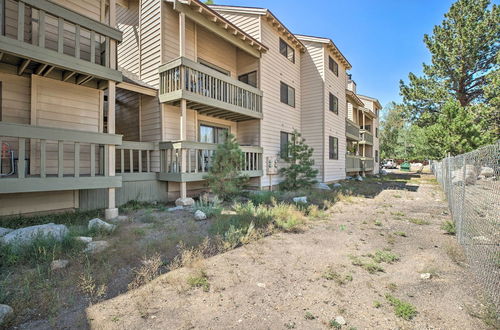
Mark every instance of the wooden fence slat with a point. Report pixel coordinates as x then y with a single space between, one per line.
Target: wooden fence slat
41 29
60 35
92 159
77 159
43 156
20 20
21 163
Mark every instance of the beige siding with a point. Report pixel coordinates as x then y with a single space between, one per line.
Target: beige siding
127 114
214 49
335 124
15 107
151 126
170 33
313 108
247 22
127 20
150 41
277 116
249 132
89 8
13 204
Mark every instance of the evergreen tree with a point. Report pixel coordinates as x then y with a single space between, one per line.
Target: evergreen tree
464 52
300 173
224 177
209 2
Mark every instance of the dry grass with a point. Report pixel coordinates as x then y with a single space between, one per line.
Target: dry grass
148 271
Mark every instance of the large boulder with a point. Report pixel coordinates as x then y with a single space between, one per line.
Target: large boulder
5 231
457 176
188 201
6 313
302 199
98 224
28 234
59 264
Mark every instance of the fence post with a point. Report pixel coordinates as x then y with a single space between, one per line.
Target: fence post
462 201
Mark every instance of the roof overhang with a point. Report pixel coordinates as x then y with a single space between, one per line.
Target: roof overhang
354 98
269 16
377 104
213 21
330 45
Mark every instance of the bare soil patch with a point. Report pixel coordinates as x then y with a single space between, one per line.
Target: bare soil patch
363 263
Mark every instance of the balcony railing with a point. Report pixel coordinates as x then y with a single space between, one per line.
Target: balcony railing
184 161
208 91
352 163
138 161
351 130
46 36
35 158
367 163
366 137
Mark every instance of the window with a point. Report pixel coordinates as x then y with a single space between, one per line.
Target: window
334 67
333 148
376 132
212 134
376 156
284 141
334 104
287 94
287 51
249 78
214 67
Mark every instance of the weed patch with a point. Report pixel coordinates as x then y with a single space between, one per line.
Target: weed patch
419 222
199 280
340 279
449 227
370 266
402 309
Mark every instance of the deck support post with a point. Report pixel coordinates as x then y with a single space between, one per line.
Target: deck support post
183 124
112 211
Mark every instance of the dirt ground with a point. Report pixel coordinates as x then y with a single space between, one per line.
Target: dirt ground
305 280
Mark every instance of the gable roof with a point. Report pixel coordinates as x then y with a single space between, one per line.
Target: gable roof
219 20
372 99
270 17
331 47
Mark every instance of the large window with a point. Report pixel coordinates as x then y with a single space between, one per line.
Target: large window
287 51
287 94
334 67
376 132
214 67
213 134
334 104
249 78
333 148
285 139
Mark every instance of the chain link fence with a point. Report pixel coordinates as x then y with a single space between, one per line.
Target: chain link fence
471 183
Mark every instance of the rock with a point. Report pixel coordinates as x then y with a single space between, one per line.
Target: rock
425 276
5 231
261 285
359 178
340 320
302 199
84 239
348 177
28 234
96 247
383 172
470 175
480 239
188 201
177 208
481 177
200 215
6 312
59 264
321 186
487 172
98 224
337 185
209 197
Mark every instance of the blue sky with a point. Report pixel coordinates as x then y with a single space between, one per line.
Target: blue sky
382 39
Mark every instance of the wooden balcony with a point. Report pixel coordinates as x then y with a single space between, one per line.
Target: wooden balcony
35 158
366 137
39 36
352 163
186 161
351 130
138 161
208 91
367 164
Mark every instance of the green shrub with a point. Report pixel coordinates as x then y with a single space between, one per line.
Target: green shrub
402 309
449 227
263 197
224 177
384 256
299 174
210 209
199 281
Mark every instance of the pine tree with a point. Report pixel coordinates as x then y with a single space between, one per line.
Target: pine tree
224 177
300 173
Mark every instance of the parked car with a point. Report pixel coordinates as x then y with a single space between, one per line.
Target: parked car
389 163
